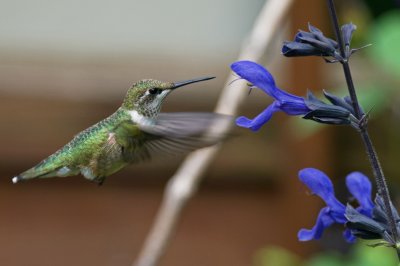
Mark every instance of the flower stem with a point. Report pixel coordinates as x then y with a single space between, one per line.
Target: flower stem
372 155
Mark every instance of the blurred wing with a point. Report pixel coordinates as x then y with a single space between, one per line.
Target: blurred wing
173 133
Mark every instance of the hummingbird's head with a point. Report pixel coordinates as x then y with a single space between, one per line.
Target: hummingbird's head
147 95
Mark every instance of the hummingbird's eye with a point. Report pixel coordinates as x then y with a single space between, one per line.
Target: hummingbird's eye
154 91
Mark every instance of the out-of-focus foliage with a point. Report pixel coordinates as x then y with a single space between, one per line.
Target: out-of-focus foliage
372 98
360 255
379 7
378 91
386 42
276 256
384 60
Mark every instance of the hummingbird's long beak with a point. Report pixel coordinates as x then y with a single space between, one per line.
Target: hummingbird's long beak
190 81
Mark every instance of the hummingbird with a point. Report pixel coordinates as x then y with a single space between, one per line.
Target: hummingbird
135 132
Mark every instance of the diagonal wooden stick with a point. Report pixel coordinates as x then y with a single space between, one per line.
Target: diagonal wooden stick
183 185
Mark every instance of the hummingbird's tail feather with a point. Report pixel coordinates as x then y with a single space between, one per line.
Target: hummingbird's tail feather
16 179
30 174
24 176
45 169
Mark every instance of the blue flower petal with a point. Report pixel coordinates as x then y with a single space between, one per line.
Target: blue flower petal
256 75
259 77
293 105
320 184
298 49
320 35
324 220
256 123
360 187
347 32
350 238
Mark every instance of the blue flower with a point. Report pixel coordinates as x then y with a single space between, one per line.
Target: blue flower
347 33
360 187
259 77
338 112
311 43
375 226
320 184
314 43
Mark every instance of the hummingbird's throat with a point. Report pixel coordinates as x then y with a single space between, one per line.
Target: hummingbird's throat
140 119
149 111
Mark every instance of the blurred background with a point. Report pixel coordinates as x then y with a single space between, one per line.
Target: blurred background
64 65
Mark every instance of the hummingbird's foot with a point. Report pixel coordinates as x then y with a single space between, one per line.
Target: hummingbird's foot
99 181
16 179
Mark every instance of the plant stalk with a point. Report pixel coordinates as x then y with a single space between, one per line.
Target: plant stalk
371 152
